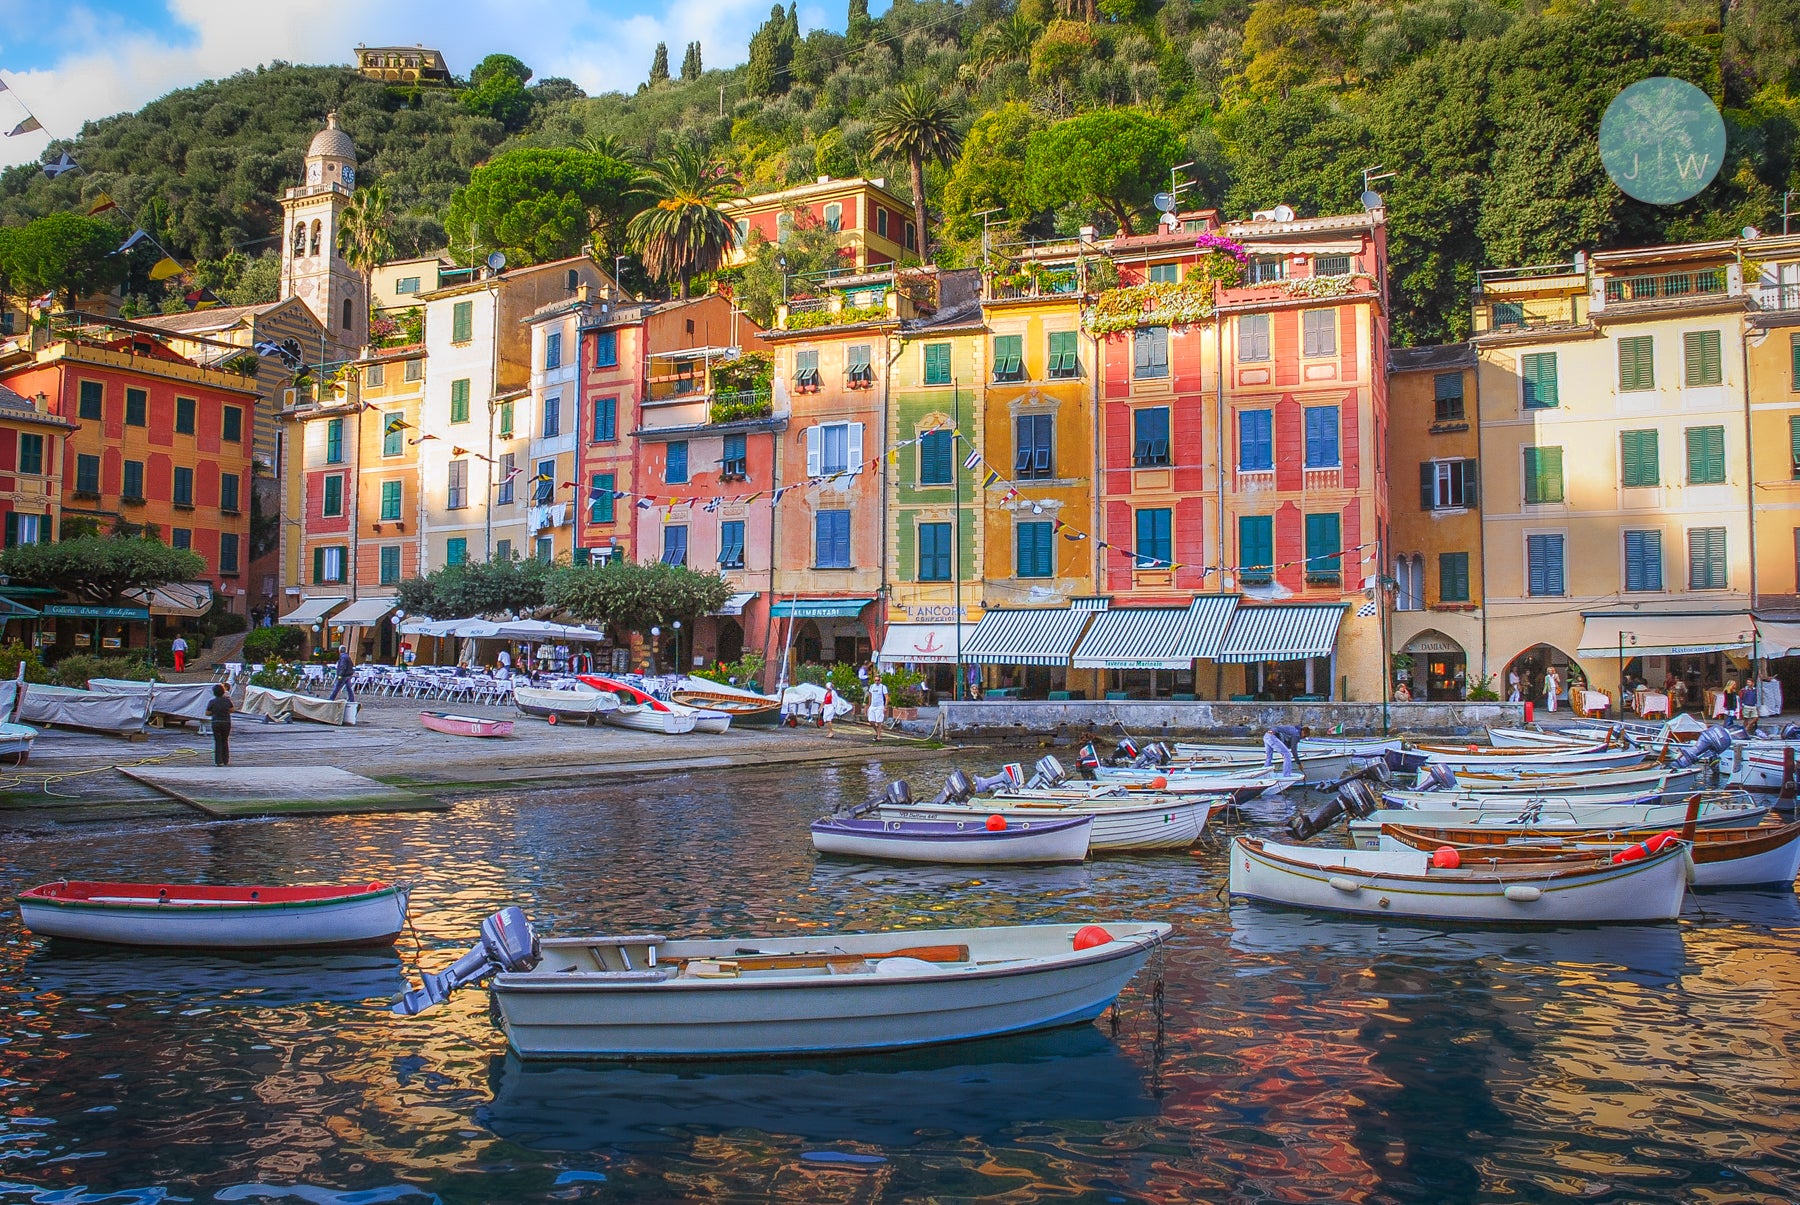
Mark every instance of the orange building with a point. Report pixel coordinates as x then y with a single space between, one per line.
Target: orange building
160 443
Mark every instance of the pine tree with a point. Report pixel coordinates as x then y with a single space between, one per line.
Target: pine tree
659 66
771 53
860 25
690 62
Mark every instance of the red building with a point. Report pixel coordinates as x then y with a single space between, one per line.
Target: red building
159 442
31 460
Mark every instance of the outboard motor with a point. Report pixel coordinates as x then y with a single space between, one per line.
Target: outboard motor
957 789
1125 752
1047 773
1360 799
1310 824
1002 781
1437 777
1088 761
1710 745
1791 732
899 793
508 943
1153 756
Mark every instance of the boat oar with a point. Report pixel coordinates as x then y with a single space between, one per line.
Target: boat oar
820 958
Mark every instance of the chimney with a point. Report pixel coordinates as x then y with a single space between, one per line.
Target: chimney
824 179
584 293
1089 234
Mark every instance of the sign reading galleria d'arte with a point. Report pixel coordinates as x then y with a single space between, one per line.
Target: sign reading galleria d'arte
74 611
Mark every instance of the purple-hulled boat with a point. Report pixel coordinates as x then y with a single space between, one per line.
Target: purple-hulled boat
976 841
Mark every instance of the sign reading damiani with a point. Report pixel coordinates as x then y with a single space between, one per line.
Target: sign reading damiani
72 611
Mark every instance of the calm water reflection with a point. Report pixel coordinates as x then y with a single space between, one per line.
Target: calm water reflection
1292 1058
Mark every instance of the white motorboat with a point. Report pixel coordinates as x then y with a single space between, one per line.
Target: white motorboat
1534 738
1408 884
581 704
640 710
973 841
1765 767
1120 822
1723 857
1483 757
1659 778
644 996
1241 783
1721 810
16 741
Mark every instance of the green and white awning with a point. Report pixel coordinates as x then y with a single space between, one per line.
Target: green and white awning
1026 637
1282 632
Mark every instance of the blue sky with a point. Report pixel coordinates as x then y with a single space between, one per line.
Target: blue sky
90 58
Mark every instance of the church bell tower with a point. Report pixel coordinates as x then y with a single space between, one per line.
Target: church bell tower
311 267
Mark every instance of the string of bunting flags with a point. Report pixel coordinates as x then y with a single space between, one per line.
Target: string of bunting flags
974 461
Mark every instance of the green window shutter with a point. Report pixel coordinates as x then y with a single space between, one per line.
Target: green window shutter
462 322
1539 373
459 401
1706 455
390 501
1706 558
1701 359
1638 459
937 363
1794 351
1453 577
1794 445
1324 546
1637 364
1543 475
1256 548
935 453
600 498
318 565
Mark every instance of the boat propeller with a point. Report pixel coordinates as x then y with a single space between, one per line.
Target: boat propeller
508 943
1437 777
1714 743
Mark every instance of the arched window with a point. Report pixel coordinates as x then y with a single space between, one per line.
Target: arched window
299 239
349 314
315 237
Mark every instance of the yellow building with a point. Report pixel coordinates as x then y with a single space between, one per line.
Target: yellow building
1772 348
1615 473
1435 530
874 226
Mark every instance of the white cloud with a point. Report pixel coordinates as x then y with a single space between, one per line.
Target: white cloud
600 45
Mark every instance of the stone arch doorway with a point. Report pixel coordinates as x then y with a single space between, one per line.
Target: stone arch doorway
1531 666
1440 667
731 640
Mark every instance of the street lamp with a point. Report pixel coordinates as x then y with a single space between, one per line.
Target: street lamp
655 635
678 661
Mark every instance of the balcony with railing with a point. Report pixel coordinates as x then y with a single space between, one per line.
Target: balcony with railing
1668 286
744 405
1032 285
1781 298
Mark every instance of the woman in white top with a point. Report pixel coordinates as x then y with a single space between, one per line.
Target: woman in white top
1552 685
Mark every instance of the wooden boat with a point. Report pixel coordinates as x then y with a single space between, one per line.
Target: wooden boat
1241 783
1765 767
642 711
583 706
1321 759
1721 809
464 725
1586 782
1723 857
1533 738
16 741
743 706
644 996
1483 757
1406 884
1120 822
972 841
193 917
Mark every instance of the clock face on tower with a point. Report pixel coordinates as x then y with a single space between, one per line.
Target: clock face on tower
349 177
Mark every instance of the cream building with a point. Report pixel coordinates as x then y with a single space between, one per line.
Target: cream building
477 422
1616 477
547 482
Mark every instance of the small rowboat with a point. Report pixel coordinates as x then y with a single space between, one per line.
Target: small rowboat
464 725
646 997
1406 884
1559 759
743 706
15 742
1723 857
582 706
1119 823
194 917
974 841
644 712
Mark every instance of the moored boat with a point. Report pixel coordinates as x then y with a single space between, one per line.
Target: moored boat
1717 809
464 725
1723 857
644 712
975 841
196 917
743 706
1484 757
1120 823
582 706
1408 884
16 741
644 996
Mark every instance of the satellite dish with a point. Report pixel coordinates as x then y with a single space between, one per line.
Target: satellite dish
1752 232
1169 221
497 260
1284 213
1371 199
1165 201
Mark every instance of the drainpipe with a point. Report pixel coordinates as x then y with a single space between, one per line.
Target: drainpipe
1481 523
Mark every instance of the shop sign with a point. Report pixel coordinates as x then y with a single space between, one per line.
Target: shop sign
73 611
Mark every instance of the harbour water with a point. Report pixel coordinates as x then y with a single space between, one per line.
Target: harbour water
1264 1056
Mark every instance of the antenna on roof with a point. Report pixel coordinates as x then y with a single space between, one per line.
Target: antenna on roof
1167 201
1371 200
986 241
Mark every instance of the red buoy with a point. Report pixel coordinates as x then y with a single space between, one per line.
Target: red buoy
1631 853
1159 783
1660 842
1089 936
996 824
1446 858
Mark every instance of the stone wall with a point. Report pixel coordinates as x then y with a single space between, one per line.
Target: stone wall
1152 717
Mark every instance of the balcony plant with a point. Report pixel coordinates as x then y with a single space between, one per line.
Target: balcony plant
1163 303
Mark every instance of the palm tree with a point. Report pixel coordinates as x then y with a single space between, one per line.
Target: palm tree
917 121
608 144
685 232
364 239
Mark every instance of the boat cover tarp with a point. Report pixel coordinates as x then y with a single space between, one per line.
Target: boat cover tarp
83 709
181 700
9 696
1663 635
807 699
283 706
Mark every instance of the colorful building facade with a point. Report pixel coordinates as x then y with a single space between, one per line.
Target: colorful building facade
874 226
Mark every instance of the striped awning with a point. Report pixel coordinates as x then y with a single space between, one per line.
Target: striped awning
1282 632
1134 638
312 610
1208 619
1663 635
1025 637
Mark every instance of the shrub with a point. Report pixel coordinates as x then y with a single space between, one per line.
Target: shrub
273 643
76 670
35 671
1481 690
906 687
275 677
842 679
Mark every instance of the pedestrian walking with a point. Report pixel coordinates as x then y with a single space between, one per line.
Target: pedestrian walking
1552 685
1512 686
1283 740
178 646
218 710
346 669
878 697
826 709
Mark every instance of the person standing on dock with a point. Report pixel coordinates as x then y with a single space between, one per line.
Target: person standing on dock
878 696
1552 685
346 669
218 710
1283 740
